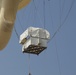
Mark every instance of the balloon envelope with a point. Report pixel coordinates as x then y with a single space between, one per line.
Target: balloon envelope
8 10
23 3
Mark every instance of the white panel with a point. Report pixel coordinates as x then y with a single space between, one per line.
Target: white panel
35 32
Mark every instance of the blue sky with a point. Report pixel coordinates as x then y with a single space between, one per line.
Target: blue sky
60 56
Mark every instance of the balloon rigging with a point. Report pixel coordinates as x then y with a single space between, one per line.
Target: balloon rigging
34 40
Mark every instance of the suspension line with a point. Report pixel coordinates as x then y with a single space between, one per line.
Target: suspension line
16 32
64 20
44 13
29 64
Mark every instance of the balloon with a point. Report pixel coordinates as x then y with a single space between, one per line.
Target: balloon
23 3
8 10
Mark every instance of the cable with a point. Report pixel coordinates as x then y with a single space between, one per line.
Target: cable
35 4
56 46
57 31
31 9
60 10
57 57
16 33
68 12
36 8
20 23
29 64
34 20
44 13
56 50
36 11
63 7
44 16
63 21
29 13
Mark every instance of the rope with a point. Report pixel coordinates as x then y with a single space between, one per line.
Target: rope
58 30
60 10
29 64
44 16
29 14
63 7
34 20
68 11
16 33
63 21
20 23
57 57
56 45
37 12
44 13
